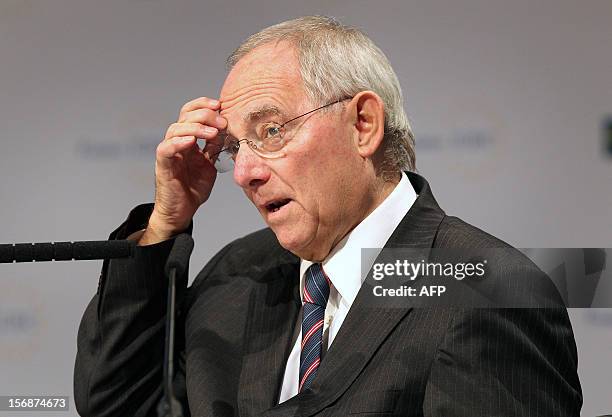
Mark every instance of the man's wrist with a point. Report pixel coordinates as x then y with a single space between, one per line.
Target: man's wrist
154 233
136 236
151 237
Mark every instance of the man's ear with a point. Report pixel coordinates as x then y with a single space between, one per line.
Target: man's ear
369 122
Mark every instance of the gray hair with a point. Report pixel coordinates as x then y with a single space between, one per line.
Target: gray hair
339 61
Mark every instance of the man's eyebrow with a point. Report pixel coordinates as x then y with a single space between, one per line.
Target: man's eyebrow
261 113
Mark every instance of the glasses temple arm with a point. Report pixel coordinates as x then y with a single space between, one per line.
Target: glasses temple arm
318 108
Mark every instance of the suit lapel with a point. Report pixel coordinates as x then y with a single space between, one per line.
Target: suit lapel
273 310
366 326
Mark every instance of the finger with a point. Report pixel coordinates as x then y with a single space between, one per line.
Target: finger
204 116
198 130
198 103
168 149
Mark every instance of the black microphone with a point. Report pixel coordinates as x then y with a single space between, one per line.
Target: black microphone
179 254
66 251
176 265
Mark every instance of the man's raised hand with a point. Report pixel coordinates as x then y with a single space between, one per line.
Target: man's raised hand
184 175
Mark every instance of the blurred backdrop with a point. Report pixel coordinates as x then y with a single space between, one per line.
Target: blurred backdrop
511 104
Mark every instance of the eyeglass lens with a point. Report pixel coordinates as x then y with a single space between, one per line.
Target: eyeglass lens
224 161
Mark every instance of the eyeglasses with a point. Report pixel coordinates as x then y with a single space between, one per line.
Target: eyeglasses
268 140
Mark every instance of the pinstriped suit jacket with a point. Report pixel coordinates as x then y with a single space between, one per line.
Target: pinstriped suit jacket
237 324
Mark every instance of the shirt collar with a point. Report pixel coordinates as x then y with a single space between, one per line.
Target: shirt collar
344 264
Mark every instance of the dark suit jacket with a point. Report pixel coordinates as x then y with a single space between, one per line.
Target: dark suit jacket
238 318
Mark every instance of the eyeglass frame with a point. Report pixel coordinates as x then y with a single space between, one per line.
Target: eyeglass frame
281 125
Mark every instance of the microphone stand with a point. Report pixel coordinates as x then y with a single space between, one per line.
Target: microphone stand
176 265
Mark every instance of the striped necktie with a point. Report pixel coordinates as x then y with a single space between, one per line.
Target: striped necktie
316 293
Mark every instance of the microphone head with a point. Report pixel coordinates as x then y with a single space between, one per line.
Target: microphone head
66 251
179 255
103 249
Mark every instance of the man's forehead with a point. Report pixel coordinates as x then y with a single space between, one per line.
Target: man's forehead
266 82
272 63
258 102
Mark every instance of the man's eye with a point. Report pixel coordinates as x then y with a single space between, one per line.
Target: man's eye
271 131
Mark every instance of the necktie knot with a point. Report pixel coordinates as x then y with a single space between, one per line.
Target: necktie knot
316 286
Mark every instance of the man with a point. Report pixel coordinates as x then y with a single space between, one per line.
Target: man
278 322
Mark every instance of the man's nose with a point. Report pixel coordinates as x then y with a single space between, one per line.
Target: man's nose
250 170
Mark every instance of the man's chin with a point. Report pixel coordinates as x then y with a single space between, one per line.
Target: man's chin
285 237
289 239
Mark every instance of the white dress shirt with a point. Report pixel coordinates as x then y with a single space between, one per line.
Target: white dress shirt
343 267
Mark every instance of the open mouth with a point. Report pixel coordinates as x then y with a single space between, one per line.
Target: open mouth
276 205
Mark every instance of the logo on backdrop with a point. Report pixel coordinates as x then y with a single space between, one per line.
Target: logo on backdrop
22 321
134 136
136 147
470 139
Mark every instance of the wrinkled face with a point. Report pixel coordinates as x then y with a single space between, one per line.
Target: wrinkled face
309 196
